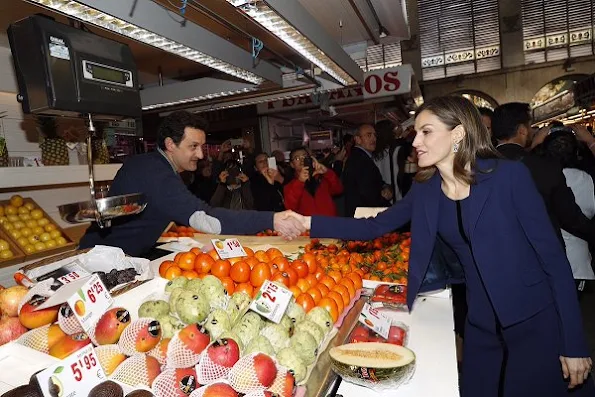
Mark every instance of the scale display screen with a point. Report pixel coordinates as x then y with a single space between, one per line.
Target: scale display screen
108 74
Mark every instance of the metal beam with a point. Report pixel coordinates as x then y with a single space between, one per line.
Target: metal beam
153 17
294 13
171 93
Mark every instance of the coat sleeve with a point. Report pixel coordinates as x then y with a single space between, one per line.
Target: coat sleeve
365 229
334 183
531 212
292 193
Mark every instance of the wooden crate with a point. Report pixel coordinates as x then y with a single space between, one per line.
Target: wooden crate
69 246
19 255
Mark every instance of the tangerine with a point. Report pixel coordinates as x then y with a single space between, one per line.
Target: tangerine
315 294
259 274
221 268
229 285
190 274
344 292
330 306
186 261
334 295
164 266
173 272
245 287
240 272
306 301
203 263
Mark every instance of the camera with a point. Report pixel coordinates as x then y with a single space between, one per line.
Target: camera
308 162
234 169
561 128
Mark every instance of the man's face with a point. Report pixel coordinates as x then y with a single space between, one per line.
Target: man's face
366 138
262 163
188 152
525 133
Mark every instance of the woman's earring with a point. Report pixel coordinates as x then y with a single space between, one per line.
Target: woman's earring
455 147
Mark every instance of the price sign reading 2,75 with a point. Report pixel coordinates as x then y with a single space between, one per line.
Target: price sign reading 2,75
87 362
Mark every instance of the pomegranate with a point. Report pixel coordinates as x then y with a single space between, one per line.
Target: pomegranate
10 329
10 299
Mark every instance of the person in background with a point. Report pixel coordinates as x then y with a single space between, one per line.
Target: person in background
562 146
181 137
385 155
313 188
204 184
233 191
364 186
267 186
523 334
282 165
486 119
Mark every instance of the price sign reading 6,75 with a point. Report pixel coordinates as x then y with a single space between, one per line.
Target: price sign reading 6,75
76 375
271 301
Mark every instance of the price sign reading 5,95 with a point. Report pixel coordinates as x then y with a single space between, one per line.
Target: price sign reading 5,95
76 375
228 248
90 302
271 301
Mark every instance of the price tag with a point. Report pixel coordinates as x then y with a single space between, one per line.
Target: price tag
70 277
375 320
90 302
229 248
76 375
271 301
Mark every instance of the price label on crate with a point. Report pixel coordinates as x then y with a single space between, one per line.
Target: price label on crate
271 301
228 248
76 375
375 320
90 302
70 277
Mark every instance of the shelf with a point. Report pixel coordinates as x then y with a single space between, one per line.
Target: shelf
19 177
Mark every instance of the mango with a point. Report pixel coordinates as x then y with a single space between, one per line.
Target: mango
110 326
35 319
68 345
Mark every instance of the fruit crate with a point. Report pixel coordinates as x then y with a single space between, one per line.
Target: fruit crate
70 245
18 254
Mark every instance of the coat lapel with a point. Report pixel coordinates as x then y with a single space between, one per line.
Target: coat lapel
480 191
432 202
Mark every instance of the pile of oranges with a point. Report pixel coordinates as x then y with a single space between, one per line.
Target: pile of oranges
312 285
180 231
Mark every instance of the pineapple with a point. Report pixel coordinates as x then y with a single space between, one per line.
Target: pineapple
3 153
53 147
99 146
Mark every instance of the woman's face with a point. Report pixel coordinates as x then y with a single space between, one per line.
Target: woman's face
433 141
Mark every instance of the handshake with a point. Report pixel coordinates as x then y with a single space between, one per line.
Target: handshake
290 224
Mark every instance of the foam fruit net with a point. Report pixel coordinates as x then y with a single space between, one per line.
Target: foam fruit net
278 386
179 355
209 372
36 339
134 371
201 390
128 338
242 376
160 351
105 355
67 321
172 384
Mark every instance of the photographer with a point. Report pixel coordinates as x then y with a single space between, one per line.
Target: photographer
233 191
311 191
267 186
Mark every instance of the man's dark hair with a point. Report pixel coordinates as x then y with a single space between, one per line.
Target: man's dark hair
486 112
508 118
563 146
556 123
297 149
174 124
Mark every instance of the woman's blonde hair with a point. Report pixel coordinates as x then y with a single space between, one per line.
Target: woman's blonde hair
456 111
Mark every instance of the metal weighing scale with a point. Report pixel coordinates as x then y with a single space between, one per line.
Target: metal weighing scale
64 71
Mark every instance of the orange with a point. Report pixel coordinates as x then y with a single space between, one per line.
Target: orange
228 284
249 251
335 275
280 263
349 284
190 274
300 267
164 266
312 280
315 294
274 253
357 280
330 306
203 263
344 292
173 272
328 281
186 261
303 284
310 260
323 289
259 274
251 261
295 291
240 272
281 277
245 287
213 254
236 259
221 268
305 300
334 295
196 251
178 256
293 276
261 256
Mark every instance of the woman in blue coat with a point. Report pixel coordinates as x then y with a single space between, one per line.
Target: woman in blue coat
523 334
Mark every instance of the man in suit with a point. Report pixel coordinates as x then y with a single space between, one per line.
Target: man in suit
362 180
511 126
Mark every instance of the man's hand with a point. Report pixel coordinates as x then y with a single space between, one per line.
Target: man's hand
387 193
223 176
540 136
576 369
287 223
276 175
243 177
319 169
583 134
304 174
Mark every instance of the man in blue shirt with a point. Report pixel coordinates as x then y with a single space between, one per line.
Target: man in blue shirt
157 175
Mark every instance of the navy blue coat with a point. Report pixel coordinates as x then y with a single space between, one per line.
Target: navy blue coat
520 259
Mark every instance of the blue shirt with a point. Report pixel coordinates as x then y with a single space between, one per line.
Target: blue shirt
168 199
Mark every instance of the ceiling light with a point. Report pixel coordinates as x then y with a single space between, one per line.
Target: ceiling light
98 18
260 12
198 98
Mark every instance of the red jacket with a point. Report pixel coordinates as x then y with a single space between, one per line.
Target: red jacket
298 199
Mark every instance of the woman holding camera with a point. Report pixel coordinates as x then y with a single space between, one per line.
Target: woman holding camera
311 191
233 191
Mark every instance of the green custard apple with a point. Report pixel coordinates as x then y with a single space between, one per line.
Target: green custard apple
217 323
295 312
192 308
194 285
173 298
311 328
260 344
212 288
305 346
153 309
292 361
322 318
178 282
277 335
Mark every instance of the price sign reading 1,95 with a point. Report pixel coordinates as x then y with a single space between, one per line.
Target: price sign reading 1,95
90 302
271 301
228 248
76 375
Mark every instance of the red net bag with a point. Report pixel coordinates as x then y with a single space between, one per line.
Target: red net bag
215 389
245 378
179 382
186 346
68 321
140 336
137 370
160 351
217 360
110 357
